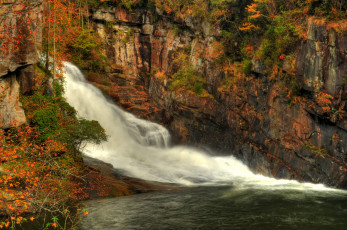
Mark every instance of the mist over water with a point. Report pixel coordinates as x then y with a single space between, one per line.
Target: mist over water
142 149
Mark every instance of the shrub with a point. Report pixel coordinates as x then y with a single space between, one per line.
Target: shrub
58 88
177 30
47 121
56 119
85 131
247 67
279 38
199 87
86 51
188 78
231 41
95 4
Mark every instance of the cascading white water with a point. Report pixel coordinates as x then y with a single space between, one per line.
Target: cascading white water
140 148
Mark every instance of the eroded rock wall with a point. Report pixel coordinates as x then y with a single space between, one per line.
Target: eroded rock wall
21 37
252 118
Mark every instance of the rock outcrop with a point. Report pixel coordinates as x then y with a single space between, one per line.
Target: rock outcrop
321 60
252 117
113 183
21 36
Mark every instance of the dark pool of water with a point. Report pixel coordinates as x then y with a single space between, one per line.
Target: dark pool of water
221 207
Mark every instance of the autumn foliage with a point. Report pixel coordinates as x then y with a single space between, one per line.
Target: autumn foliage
34 176
68 37
40 166
41 170
18 23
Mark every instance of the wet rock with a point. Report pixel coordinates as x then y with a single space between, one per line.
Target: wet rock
115 183
322 62
258 66
254 118
16 72
29 34
11 111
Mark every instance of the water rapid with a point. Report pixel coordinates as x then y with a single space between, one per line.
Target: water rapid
141 148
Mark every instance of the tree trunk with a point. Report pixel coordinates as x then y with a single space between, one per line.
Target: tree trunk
48 27
54 37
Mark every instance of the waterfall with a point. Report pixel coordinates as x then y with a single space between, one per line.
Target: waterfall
141 148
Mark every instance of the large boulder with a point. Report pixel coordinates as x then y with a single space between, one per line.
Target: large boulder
21 37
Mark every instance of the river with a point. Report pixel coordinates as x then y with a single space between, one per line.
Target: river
218 192
221 207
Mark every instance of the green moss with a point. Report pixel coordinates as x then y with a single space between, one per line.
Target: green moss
96 4
317 150
127 36
177 30
198 87
188 78
247 67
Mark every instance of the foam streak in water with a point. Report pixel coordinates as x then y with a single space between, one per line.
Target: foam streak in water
140 148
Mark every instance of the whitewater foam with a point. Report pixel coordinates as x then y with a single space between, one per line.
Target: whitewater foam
141 148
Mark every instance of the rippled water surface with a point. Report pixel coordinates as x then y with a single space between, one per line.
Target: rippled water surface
221 207
142 150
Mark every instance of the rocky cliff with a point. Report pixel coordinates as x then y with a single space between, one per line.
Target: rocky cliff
254 117
21 36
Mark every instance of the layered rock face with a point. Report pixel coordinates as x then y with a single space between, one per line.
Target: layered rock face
252 118
21 35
